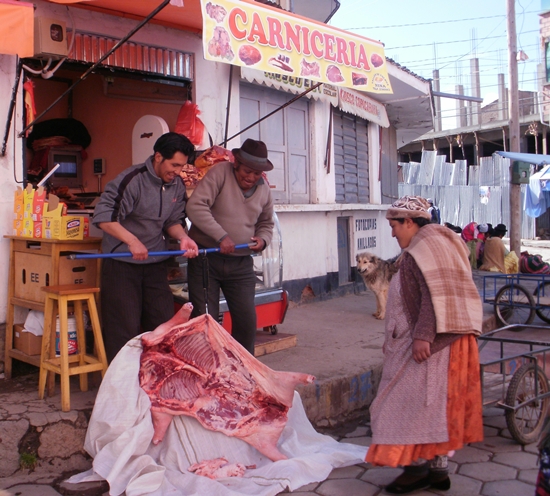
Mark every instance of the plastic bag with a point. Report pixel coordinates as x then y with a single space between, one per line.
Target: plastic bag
189 124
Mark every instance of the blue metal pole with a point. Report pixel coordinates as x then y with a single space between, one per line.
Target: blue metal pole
79 256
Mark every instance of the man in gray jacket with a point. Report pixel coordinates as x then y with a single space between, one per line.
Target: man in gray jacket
139 209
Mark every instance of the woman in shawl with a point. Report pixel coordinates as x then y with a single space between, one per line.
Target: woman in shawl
429 399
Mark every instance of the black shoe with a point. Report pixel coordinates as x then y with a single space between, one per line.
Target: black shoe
442 485
397 487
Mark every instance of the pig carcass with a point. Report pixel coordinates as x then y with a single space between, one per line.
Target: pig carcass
197 369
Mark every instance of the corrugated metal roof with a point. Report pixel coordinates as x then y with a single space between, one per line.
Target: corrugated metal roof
133 56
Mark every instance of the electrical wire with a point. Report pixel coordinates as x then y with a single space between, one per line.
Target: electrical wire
434 22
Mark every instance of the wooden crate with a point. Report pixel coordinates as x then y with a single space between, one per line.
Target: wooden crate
34 270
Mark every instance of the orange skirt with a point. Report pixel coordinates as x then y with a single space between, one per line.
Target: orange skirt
464 411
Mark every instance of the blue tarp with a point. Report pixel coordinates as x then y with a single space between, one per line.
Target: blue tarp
530 158
537 195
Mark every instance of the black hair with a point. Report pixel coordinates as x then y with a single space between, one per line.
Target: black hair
170 143
420 221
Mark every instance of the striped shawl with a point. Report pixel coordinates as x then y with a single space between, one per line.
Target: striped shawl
442 257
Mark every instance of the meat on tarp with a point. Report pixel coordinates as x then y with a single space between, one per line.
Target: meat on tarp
196 368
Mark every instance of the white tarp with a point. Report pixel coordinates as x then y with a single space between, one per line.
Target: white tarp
120 433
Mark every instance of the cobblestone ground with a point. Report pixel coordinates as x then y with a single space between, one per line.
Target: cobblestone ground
498 466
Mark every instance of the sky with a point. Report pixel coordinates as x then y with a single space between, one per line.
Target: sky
445 35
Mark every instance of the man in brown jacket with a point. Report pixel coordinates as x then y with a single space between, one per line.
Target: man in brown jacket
231 205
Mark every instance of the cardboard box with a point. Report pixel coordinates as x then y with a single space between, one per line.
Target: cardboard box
28 199
18 206
38 202
33 270
25 341
57 225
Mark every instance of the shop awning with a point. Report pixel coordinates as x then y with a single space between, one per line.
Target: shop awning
174 15
249 34
291 84
17 28
361 105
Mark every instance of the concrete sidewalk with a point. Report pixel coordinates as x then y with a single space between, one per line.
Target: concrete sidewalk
339 341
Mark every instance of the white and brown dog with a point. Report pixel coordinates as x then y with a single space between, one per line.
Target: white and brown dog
377 274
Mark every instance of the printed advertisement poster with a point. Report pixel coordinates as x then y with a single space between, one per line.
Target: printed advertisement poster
252 35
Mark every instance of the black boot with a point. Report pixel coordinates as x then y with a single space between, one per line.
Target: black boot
413 478
439 473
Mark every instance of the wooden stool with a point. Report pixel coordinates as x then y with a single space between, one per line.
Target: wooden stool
57 303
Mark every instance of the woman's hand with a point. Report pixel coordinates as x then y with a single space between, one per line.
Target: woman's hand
421 350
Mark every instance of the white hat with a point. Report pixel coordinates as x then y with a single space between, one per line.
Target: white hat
482 228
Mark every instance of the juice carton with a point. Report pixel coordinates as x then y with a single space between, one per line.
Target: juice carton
28 227
38 204
18 206
37 229
18 227
28 198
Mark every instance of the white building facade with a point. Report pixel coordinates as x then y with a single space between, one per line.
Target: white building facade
335 155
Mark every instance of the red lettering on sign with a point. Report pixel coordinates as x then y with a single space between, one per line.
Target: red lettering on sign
329 47
236 13
292 36
257 31
275 35
341 47
362 59
317 36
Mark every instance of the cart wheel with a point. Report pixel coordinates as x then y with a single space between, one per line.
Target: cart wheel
514 305
525 423
543 311
274 330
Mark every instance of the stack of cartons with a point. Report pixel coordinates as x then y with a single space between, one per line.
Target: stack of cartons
18 212
28 199
38 202
36 217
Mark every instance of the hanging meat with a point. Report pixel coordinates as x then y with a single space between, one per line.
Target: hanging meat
197 369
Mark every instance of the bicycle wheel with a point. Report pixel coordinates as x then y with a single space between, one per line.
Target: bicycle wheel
514 305
543 291
525 423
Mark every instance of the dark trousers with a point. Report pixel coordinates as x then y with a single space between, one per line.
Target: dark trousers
134 298
235 277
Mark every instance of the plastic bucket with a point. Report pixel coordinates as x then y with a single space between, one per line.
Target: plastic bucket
71 328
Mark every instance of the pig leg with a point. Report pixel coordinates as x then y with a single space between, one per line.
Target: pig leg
181 317
161 422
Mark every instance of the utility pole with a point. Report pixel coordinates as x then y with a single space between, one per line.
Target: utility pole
513 124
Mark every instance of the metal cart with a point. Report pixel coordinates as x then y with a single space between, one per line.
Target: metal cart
517 298
271 299
513 377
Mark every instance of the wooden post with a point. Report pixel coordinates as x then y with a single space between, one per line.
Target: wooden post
513 119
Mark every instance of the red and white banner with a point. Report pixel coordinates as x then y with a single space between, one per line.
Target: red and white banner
248 34
358 104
